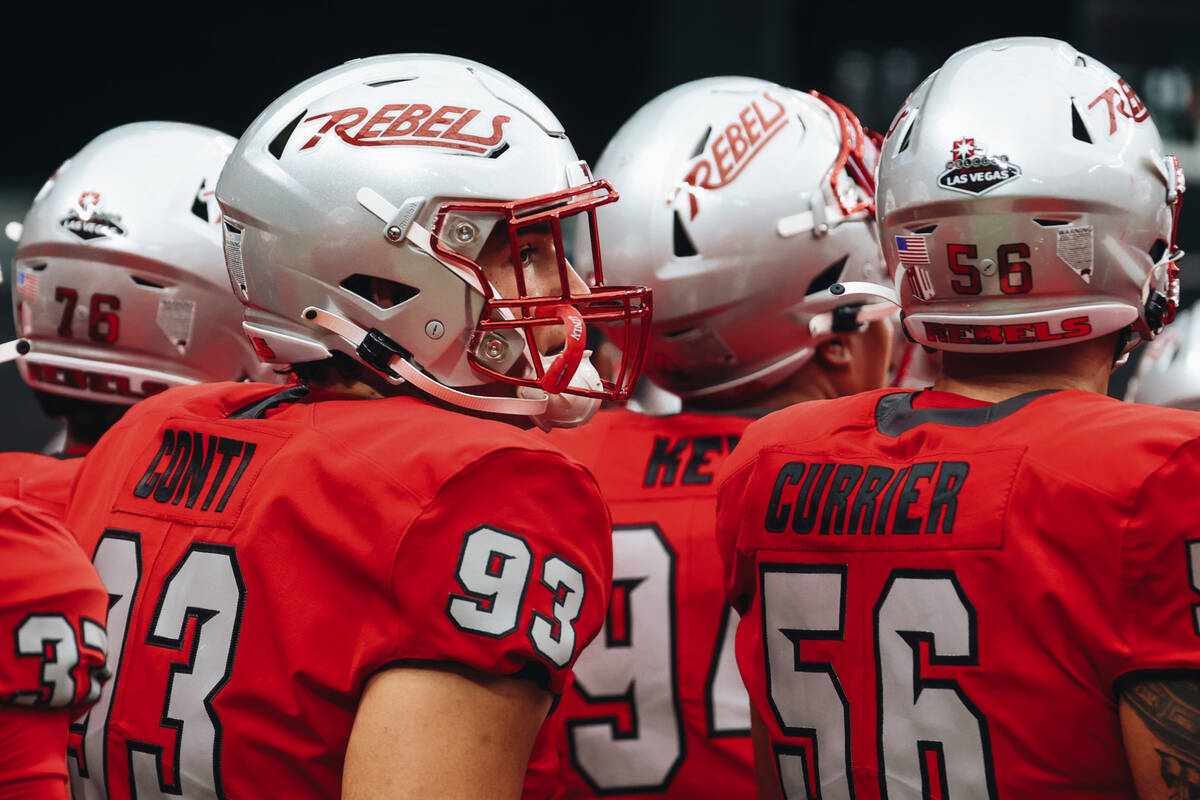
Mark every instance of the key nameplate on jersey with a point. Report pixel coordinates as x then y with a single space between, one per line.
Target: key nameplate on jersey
194 474
687 460
943 501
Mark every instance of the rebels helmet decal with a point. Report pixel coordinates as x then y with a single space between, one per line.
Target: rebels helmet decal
1123 100
397 124
733 148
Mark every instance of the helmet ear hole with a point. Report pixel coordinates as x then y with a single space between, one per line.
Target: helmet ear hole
380 292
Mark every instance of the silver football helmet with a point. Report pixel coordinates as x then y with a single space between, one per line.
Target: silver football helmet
1025 201
1168 372
747 207
408 211
119 286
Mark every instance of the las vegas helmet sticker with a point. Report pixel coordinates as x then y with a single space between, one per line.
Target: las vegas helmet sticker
88 220
972 171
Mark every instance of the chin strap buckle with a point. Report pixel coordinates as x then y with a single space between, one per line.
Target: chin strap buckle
377 351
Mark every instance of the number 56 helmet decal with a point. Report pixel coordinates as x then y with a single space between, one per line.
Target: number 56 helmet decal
119 289
1025 202
408 211
743 203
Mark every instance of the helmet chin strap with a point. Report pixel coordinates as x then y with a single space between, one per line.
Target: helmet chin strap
404 371
862 293
11 351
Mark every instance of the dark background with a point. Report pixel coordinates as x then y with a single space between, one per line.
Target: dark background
73 71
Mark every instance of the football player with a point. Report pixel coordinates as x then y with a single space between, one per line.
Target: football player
768 207
987 589
120 290
373 582
53 657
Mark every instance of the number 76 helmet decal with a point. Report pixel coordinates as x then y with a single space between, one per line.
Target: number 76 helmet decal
1025 202
409 211
119 288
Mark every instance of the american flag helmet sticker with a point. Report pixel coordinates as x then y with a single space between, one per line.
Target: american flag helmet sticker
27 285
912 249
919 282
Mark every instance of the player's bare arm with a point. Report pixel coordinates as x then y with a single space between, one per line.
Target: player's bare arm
1160 722
442 732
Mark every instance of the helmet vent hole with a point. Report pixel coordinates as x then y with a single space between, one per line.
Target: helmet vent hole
377 84
501 151
1080 61
1051 223
1078 128
925 230
699 148
1157 250
280 141
37 267
828 276
684 247
678 334
381 292
907 138
148 284
199 204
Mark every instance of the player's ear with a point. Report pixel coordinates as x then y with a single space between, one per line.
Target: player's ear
835 353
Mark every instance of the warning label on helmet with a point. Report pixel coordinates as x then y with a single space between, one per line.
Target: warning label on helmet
1075 250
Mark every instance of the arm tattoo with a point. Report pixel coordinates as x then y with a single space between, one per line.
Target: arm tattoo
1171 710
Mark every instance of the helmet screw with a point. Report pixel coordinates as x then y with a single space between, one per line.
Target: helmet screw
987 266
494 347
394 233
464 232
434 329
837 289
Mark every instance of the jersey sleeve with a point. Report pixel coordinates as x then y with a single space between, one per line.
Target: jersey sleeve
33 746
1161 570
733 480
508 570
53 609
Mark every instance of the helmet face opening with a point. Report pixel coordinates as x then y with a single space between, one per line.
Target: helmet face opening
533 297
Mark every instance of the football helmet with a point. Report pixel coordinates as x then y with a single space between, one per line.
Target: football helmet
1025 202
1168 372
119 285
747 207
408 211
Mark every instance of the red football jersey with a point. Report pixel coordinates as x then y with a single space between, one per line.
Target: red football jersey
657 708
939 599
52 648
267 555
41 481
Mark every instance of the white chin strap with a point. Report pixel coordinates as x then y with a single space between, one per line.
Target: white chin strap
528 406
11 351
862 293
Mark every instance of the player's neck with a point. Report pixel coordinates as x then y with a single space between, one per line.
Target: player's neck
995 377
